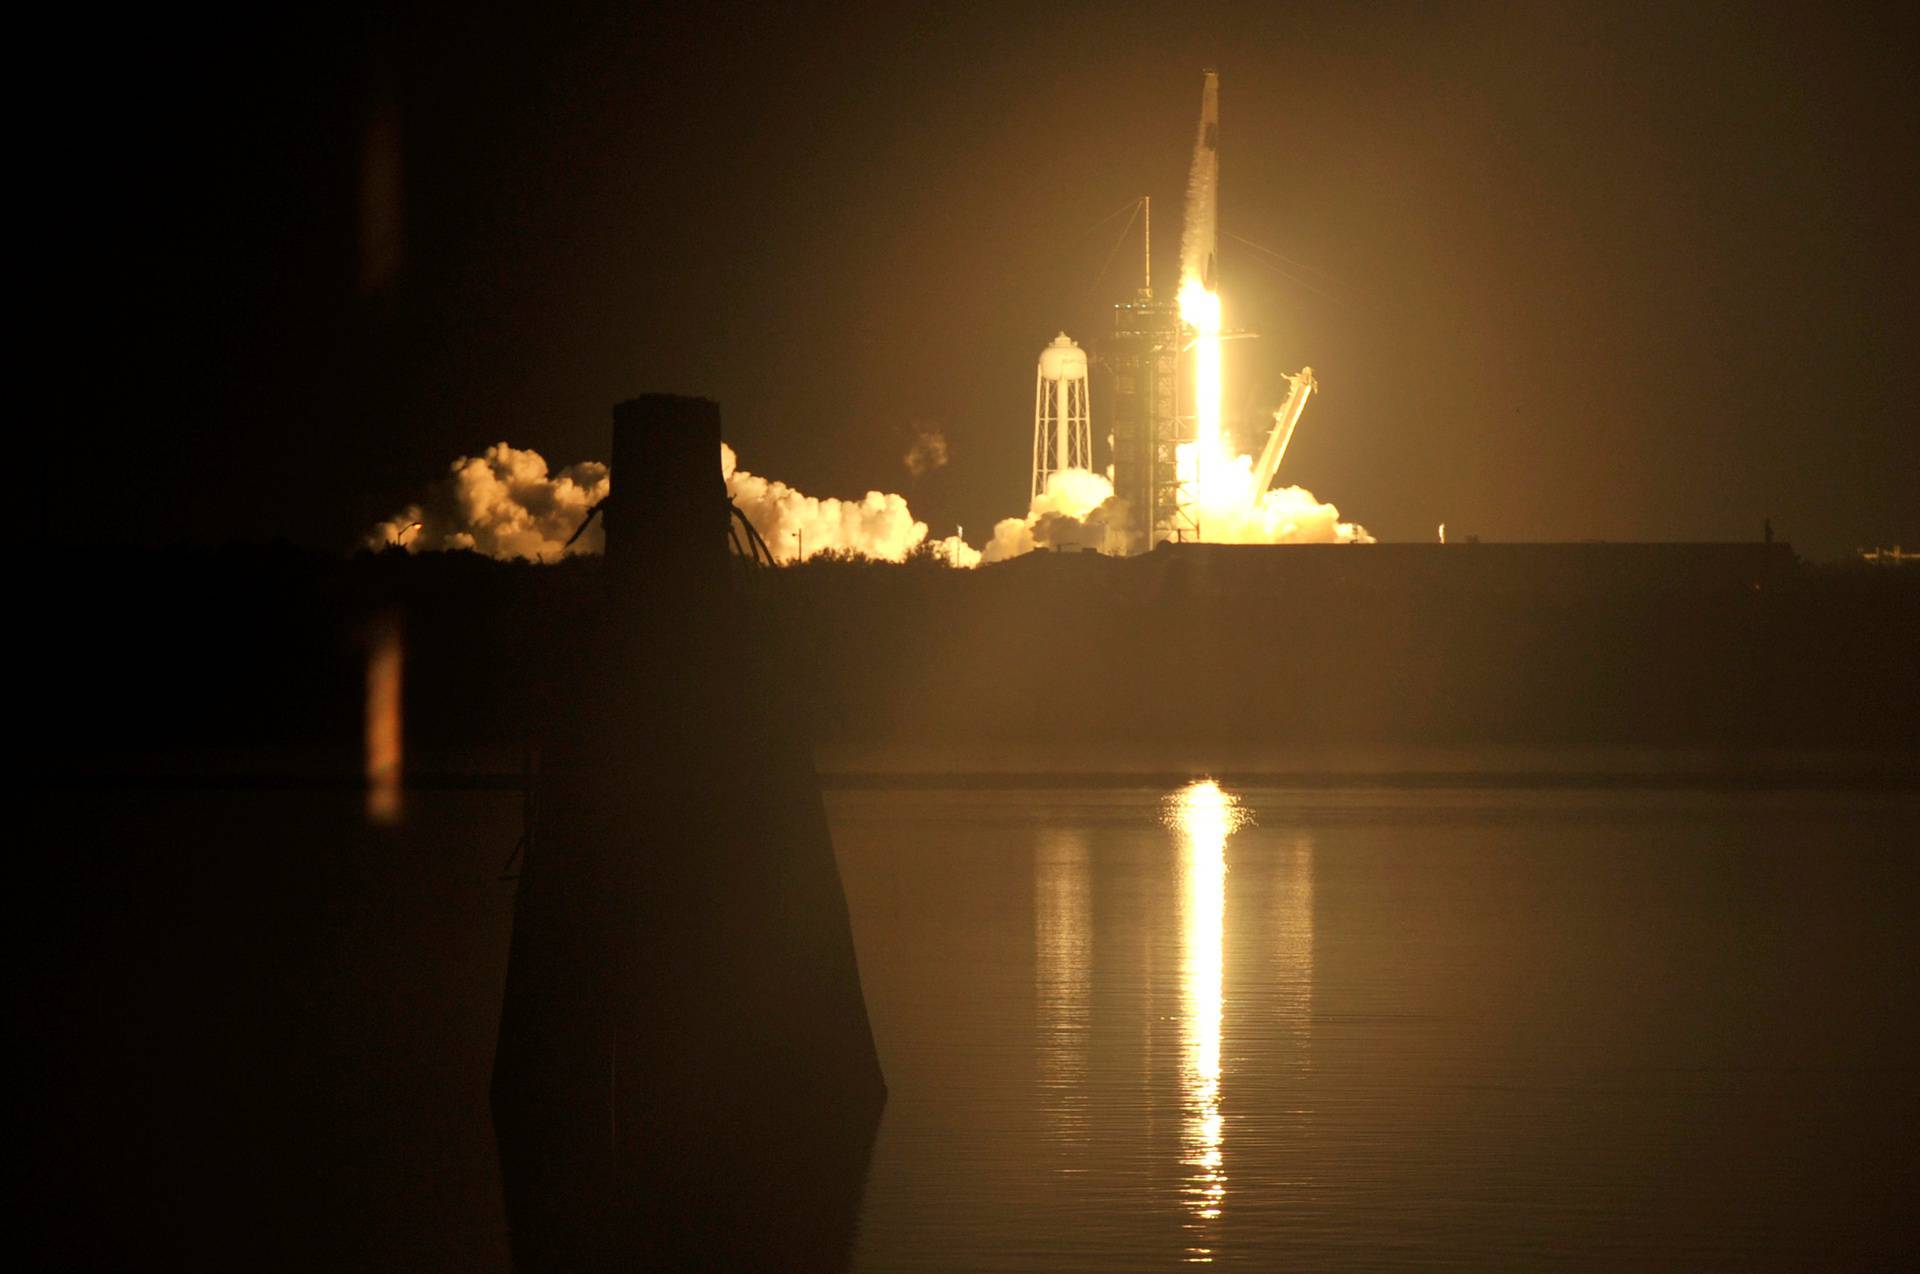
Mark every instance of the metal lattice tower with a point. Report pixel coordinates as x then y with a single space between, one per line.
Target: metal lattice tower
1142 363
1062 420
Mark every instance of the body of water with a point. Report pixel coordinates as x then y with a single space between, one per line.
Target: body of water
1338 1028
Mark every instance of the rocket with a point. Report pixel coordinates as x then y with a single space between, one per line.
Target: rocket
1199 237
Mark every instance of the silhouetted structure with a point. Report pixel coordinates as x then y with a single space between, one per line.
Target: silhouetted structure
686 1075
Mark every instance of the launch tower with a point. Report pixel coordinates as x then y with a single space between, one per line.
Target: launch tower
1141 366
1164 359
1142 361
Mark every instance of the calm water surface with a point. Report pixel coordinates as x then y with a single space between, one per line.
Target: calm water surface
1321 1029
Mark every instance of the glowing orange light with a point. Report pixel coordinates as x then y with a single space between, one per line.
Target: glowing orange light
383 723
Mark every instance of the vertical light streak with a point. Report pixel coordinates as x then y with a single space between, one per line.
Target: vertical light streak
1200 310
1204 816
1063 967
1293 951
385 658
1203 465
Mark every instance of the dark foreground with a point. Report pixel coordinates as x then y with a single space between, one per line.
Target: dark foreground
1534 1027
1479 991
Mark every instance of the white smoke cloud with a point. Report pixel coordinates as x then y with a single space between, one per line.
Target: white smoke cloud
1230 511
792 523
1078 509
503 503
957 553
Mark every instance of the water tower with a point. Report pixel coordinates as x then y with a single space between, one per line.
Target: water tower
1062 422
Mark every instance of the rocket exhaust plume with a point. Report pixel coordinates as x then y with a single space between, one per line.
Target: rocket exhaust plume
1224 495
1199 297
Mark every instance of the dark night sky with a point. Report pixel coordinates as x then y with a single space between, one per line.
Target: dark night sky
1583 271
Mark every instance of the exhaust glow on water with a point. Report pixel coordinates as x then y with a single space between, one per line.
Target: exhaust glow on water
1204 816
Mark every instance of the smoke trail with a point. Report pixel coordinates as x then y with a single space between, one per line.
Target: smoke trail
502 503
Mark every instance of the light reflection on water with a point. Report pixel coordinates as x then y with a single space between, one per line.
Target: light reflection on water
384 722
1126 1029
1063 973
1291 980
1204 816
1199 819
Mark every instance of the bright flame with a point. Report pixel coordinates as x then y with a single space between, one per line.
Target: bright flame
1221 499
1293 952
1201 464
1200 310
1204 815
1220 495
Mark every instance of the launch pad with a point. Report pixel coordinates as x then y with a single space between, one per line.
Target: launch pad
1172 463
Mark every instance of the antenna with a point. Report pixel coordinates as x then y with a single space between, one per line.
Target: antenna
1146 249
